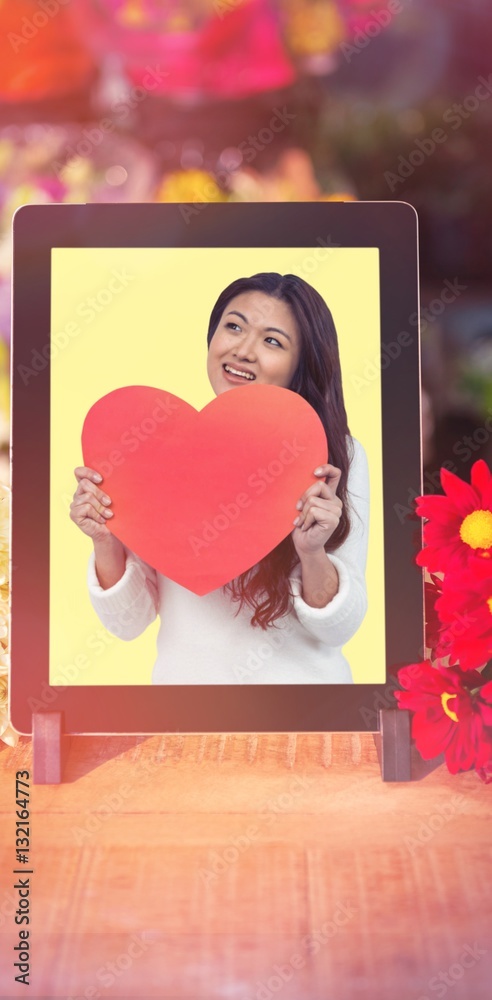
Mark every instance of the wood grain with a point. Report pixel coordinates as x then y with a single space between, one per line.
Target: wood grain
205 866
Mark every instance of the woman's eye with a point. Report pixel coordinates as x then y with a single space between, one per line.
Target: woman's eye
231 324
275 340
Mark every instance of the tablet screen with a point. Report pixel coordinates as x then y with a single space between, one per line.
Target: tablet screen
139 316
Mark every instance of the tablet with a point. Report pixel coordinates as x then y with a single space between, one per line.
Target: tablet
112 296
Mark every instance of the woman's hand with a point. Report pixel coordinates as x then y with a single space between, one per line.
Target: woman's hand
89 507
320 511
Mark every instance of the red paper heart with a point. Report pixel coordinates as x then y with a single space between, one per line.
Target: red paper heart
202 496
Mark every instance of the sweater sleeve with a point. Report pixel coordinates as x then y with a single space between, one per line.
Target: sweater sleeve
131 604
338 621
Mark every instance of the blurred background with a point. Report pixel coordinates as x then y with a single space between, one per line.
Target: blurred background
155 100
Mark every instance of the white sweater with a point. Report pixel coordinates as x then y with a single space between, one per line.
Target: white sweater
202 640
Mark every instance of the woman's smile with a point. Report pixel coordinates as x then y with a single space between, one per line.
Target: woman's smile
236 374
256 340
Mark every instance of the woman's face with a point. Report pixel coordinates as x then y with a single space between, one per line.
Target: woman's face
258 336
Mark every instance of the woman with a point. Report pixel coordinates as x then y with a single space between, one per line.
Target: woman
308 596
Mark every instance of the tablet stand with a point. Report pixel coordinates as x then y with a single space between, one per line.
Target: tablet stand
51 744
50 747
393 744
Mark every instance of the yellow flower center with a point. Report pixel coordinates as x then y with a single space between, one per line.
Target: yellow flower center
489 604
445 697
476 529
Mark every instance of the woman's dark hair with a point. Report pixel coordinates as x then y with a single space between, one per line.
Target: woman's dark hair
318 379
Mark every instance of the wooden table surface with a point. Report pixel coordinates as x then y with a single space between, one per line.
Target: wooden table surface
249 867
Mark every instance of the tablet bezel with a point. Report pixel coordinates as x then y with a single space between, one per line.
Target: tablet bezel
389 226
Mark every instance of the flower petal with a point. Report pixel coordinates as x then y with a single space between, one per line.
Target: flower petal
462 494
480 476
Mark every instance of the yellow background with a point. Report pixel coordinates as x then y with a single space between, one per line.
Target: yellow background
153 332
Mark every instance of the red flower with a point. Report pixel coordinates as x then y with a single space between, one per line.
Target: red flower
450 716
459 529
485 772
433 624
465 611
